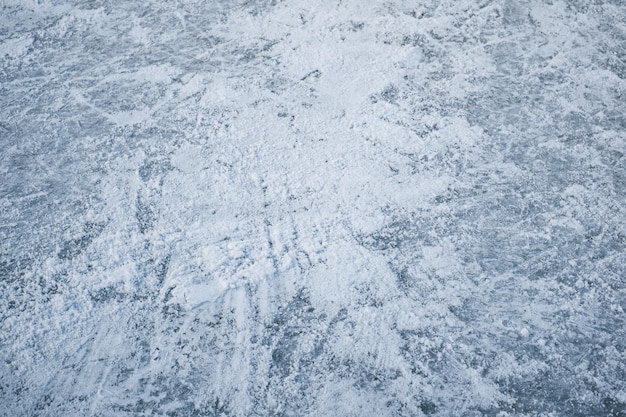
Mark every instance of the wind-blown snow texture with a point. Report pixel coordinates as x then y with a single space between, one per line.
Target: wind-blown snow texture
313 208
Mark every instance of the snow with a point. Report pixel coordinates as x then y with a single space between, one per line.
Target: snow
314 208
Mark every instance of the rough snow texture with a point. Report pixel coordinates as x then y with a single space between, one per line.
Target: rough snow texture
313 208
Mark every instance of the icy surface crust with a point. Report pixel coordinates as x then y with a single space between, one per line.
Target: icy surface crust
313 208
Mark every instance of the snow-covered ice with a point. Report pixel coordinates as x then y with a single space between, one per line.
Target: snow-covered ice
313 208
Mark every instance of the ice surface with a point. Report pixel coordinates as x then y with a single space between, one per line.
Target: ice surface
313 208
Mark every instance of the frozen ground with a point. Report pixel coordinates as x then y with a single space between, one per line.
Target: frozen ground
312 208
